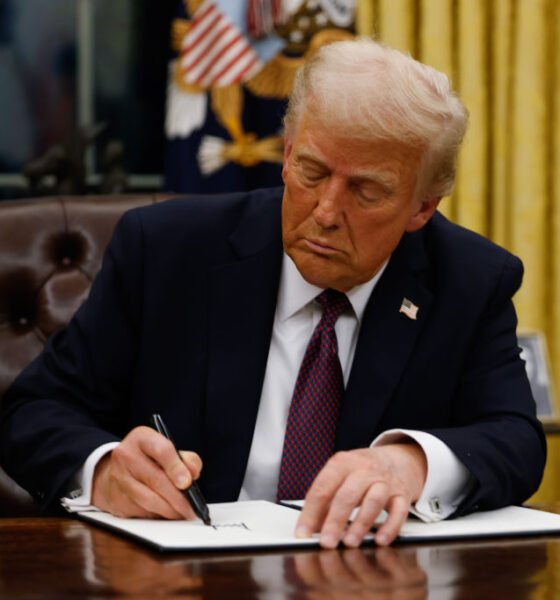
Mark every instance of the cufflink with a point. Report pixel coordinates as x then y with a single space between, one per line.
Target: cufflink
75 493
435 506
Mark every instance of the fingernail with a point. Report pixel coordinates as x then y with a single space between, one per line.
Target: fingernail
181 481
382 539
328 540
351 539
192 462
302 532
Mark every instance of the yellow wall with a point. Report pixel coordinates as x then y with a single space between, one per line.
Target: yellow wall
504 59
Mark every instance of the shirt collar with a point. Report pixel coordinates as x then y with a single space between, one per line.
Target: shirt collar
295 292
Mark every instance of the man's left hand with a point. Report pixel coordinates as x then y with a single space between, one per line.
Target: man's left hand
387 477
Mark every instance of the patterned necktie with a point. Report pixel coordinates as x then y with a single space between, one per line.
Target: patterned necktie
313 418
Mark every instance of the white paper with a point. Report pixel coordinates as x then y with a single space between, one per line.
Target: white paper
512 520
261 524
252 524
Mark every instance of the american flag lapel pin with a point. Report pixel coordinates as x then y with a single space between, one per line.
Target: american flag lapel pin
409 309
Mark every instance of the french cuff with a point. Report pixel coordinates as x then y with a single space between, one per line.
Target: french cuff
448 481
78 497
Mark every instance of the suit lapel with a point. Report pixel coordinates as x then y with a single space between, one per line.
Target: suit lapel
385 342
239 340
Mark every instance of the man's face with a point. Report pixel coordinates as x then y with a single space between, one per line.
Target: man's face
347 203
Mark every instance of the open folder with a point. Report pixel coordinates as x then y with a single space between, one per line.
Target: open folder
261 524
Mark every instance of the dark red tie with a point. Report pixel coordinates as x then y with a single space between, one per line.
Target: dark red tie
313 418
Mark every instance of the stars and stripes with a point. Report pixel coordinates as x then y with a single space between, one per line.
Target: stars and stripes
409 309
264 15
214 52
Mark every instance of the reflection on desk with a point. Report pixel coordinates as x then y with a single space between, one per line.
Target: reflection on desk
56 558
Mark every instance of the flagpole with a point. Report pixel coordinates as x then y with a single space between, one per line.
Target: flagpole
85 75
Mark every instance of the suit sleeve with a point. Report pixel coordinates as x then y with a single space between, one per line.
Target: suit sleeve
496 434
73 397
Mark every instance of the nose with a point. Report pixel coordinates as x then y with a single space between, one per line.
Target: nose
328 209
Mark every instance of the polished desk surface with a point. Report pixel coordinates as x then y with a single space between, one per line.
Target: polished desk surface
63 557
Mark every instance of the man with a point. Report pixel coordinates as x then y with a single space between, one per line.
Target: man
198 314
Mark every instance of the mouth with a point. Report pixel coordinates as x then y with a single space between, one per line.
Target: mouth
321 248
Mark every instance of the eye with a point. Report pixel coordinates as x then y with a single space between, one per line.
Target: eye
369 193
313 175
369 197
311 172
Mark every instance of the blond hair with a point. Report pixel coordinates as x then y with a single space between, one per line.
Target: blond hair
369 91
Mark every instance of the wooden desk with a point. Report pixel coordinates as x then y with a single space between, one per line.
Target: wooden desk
60 558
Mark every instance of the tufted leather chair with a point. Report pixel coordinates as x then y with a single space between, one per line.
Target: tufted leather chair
50 251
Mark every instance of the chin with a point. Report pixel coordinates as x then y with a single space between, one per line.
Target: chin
321 279
318 270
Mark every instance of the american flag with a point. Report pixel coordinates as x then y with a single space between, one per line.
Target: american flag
214 52
409 309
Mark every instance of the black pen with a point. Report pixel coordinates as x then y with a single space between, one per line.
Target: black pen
193 493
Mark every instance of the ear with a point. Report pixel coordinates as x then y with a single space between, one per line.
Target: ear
287 152
423 214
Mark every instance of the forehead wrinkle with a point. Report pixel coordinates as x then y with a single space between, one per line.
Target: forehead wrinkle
305 153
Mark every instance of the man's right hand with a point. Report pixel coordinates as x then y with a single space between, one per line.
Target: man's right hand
143 477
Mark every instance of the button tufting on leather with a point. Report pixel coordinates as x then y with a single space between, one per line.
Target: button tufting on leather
67 248
18 304
49 251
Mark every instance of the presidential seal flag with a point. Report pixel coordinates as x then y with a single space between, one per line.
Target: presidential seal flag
229 80
214 53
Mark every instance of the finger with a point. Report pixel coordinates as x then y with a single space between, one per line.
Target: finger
118 475
127 497
193 462
155 479
320 495
348 496
312 515
150 503
121 505
162 451
397 509
370 509
131 462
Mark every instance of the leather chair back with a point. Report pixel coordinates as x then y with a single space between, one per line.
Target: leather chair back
50 251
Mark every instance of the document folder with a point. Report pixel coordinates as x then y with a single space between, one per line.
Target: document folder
261 524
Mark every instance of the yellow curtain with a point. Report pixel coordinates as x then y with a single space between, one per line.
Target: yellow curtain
503 57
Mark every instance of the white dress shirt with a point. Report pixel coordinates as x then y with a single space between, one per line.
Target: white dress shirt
297 315
295 318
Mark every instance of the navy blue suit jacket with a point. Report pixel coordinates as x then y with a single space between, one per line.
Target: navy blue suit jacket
179 322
